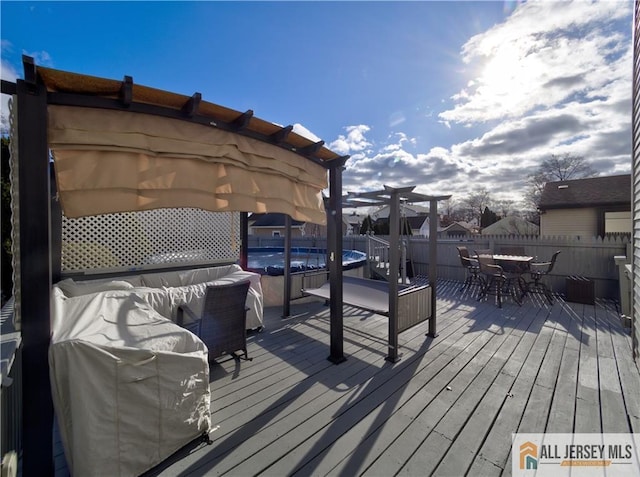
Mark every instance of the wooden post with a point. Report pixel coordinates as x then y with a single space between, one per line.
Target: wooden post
394 267
35 278
433 263
286 302
244 240
334 250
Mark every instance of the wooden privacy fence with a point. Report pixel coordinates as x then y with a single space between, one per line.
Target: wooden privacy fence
592 258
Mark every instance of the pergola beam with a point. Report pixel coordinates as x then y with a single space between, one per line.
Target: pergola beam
280 136
126 91
190 108
242 121
311 149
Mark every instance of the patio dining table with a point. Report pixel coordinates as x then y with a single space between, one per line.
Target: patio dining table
513 263
516 266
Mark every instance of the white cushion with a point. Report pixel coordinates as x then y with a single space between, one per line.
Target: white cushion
202 275
73 288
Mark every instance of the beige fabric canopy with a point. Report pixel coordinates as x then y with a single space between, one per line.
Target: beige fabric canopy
117 160
114 161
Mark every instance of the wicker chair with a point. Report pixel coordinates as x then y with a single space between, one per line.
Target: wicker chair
539 270
497 282
472 268
223 324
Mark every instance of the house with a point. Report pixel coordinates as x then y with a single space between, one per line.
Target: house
595 206
273 225
419 225
406 210
354 222
511 225
456 229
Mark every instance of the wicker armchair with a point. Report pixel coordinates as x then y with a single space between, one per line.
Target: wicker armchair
222 326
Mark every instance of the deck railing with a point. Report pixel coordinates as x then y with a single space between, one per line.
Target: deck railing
378 256
588 257
11 387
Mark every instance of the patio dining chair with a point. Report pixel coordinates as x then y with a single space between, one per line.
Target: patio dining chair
472 269
538 271
223 323
497 281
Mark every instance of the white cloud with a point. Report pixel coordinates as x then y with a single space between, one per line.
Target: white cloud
545 53
553 78
354 141
304 132
41 58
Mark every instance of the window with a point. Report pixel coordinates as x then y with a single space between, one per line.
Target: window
617 222
275 233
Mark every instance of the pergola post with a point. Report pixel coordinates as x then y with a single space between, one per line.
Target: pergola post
244 239
334 251
394 267
286 302
433 263
34 211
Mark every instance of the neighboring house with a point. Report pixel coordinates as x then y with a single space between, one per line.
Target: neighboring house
406 210
594 206
419 225
354 222
273 225
511 226
456 229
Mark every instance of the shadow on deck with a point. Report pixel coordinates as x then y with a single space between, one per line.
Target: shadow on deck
448 407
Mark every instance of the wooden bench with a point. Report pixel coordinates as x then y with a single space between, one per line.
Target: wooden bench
414 302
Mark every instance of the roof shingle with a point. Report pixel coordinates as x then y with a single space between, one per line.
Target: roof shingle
590 192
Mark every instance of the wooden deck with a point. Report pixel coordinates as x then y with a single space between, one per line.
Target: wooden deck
448 407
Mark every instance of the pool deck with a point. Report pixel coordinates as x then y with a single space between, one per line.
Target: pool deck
448 407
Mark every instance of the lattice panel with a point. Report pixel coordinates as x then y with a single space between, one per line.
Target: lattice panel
15 211
149 238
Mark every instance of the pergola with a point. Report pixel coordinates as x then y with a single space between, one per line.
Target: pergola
394 197
118 146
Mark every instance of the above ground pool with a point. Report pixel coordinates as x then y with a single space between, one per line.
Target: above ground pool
270 260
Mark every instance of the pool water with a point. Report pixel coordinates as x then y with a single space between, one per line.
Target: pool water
270 260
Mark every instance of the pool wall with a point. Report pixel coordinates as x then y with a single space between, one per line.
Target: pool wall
270 260
272 273
273 286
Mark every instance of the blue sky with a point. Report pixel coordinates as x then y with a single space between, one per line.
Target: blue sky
447 96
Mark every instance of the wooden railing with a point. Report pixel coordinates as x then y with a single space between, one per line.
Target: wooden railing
378 257
11 386
585 256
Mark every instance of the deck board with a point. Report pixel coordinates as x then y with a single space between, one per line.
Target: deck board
448 407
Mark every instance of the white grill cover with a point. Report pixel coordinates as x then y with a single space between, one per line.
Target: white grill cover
129 386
